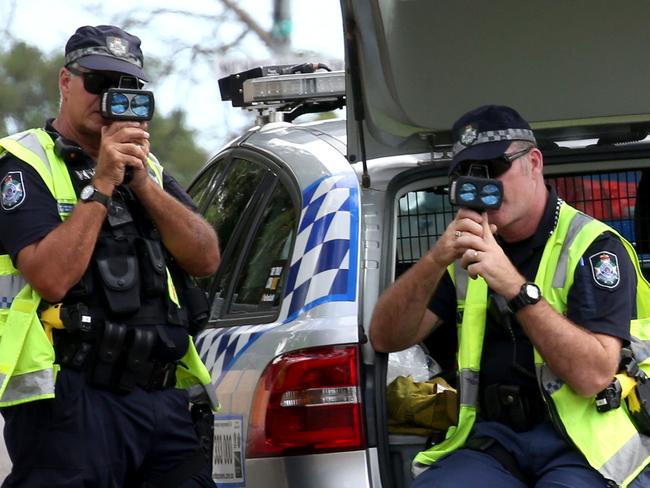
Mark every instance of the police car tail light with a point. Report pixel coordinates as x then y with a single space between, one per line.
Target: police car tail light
308 402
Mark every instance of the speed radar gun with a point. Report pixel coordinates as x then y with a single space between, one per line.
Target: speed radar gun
476 190
127 101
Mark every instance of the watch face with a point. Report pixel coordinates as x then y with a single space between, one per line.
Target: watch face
532 292
87 192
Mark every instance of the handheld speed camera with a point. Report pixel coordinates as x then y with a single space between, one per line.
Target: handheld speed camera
127 101
476 190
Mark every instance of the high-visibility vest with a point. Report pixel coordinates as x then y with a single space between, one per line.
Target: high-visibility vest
27 368
609 441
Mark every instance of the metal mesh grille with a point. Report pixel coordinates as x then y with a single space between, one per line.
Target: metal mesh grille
620 199
422 217
609 197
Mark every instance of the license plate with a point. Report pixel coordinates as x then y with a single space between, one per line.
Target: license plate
228 452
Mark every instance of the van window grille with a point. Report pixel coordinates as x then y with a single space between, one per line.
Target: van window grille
422 218
621 199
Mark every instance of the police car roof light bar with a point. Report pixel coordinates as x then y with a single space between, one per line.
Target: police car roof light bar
288 89
231 86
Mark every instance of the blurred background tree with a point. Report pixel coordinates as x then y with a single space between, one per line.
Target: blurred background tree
29 91
188 46
30 94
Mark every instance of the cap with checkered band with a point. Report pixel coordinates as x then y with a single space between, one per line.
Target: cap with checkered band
106 48
486 133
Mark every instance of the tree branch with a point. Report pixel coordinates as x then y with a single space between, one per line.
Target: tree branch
264 36
9 15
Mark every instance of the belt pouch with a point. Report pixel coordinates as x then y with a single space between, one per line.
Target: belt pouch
117 265
163 376
504 403
70 351
152 267
138 367
110 348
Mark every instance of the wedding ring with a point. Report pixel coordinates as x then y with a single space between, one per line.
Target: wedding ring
458 233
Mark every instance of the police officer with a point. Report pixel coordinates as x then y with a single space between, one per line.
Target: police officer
101 399
542 296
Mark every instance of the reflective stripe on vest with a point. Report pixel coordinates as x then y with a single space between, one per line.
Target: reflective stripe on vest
27 370
474 310
609 441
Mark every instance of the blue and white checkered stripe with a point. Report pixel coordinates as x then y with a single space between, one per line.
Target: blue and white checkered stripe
220 348
323 268
325 256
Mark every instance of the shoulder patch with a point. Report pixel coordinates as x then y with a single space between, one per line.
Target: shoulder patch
12 190
604 269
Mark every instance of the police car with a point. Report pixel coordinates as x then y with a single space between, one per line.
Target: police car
315 219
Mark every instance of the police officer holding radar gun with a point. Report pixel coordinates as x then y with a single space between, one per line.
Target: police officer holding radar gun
543 297
97 362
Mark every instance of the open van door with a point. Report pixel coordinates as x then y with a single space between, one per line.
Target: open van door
575 69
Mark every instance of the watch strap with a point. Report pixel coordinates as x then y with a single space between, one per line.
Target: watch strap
97 196
522 299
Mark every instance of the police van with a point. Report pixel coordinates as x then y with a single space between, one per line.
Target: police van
316 219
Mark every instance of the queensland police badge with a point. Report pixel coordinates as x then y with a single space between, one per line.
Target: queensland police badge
604 268
118 46
469 135
13 190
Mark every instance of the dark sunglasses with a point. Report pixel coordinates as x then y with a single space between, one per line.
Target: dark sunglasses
498 166
97 82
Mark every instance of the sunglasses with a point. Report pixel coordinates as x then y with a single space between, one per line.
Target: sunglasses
498 166
97 82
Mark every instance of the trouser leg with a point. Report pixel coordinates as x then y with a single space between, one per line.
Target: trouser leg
175 441
62 442
469 468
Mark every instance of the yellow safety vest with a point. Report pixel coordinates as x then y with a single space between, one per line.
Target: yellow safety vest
609 441
27 368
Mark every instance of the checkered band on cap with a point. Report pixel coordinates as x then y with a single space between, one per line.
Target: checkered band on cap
496 136
72 56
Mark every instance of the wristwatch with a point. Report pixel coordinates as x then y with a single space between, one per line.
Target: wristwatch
529 294
91 194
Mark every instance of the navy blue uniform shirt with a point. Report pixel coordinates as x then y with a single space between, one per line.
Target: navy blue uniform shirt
592 303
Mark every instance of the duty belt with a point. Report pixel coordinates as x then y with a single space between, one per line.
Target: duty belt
114 355
118 359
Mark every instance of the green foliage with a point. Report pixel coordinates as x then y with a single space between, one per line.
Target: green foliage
29 94
173 144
